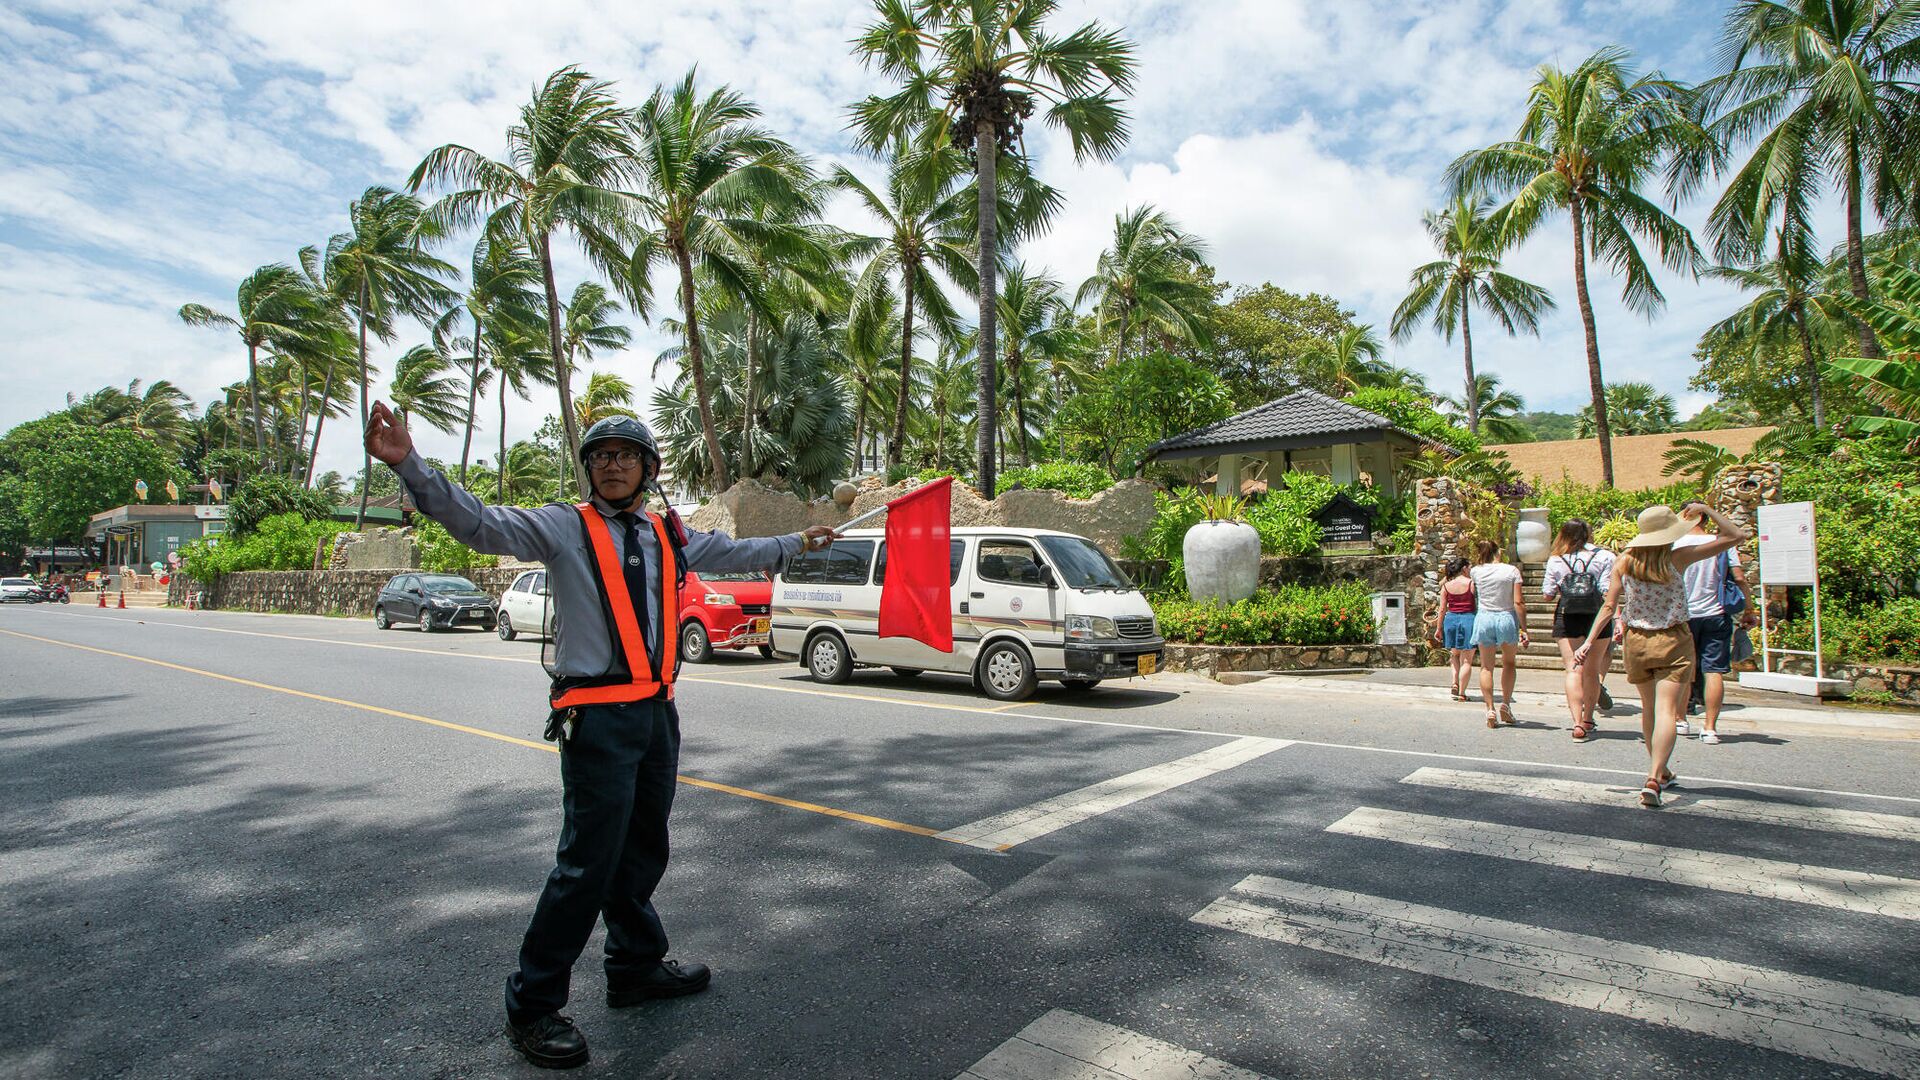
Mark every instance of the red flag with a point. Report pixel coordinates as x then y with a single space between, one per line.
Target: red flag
916 596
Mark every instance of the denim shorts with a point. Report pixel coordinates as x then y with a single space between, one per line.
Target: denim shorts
1713 643
1456 632
1495 628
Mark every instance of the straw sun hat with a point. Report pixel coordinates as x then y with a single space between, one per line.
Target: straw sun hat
1659 525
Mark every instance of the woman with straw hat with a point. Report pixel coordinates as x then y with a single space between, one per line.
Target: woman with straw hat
1647 585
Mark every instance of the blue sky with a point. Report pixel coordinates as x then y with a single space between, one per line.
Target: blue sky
158 151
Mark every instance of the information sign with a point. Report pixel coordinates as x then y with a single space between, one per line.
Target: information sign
1786 544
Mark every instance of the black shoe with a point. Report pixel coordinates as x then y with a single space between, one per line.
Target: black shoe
551 1042
670 980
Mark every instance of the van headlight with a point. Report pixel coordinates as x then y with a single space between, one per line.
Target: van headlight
1091 628
719 599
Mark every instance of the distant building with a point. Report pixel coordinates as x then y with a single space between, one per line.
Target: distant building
139 534
1639 461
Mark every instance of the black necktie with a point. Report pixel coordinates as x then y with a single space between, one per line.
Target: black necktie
634 566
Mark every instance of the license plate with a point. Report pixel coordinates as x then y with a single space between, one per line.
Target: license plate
1148 662
761 624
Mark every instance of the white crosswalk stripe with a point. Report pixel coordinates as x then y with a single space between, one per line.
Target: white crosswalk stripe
1836 1022
1828 819
1849 890
1067 1046
1003 831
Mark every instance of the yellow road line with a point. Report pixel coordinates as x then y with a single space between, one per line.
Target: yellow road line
691 781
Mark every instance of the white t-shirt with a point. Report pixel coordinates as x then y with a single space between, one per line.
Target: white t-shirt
1703 578
1597 561
1494 583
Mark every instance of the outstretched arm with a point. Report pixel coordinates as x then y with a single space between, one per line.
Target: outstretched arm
496 530
721 553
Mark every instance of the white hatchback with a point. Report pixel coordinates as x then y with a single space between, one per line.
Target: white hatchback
526 607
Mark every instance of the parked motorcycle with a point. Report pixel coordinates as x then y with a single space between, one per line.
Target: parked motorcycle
57 594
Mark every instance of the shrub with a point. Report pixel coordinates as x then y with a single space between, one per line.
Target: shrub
1411 410
1074 479
1566 499
1884 634
443 554
1293 615
261 497
281 542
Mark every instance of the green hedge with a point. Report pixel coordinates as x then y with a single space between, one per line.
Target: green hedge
280 542
1074 479
1889 634
1293 615
442 554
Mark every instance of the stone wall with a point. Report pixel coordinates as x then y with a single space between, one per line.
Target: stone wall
311 592
375 549
1212 660
1902 682
750 508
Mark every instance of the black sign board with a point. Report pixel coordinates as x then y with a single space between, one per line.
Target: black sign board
1344 521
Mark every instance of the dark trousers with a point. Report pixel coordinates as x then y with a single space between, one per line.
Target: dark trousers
618 766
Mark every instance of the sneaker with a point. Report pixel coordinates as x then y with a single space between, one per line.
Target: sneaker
1681 728
1709 737
550 1041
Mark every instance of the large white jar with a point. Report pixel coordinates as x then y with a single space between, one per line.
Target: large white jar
1532 538
1222 560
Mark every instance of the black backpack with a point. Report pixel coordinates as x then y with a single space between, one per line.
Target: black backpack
1579 590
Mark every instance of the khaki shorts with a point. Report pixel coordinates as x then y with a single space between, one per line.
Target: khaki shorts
1660 654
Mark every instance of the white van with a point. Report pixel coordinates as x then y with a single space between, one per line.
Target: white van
1028 604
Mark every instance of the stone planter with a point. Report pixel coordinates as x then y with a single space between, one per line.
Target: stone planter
1222 560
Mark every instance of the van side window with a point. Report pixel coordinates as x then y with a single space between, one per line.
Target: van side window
956 552
1013 562
845 563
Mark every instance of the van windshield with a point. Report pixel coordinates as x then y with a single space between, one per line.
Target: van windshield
1084 566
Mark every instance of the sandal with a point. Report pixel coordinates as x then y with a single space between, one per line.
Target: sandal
1650 793
1506 714
1669 780
1493 721
1581 731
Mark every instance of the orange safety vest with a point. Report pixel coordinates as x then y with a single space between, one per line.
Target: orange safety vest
642 681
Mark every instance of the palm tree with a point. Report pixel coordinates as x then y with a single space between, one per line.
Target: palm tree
1828 88
715 189
517 357
159 412
566 161
1041 339
606 395
924 217
1350 362
1495 408
1633 408
523 473
1892 383
1147 278
950 383
275 308
1590 139
993 62
1698 460
867 361
425 388
501 284
1444 292
380 269
1789 309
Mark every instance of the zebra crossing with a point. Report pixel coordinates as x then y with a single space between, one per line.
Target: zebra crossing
1836 1022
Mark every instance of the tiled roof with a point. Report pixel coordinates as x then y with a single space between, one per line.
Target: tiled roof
1301 414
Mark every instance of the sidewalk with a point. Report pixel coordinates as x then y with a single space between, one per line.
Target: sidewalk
1544 689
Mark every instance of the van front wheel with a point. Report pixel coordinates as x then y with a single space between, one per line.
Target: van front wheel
1006 672
827 659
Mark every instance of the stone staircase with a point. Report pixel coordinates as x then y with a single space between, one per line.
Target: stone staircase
1544 653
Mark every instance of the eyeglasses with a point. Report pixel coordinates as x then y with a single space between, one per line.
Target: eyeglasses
600 459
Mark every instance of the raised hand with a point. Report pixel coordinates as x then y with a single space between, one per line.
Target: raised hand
387 438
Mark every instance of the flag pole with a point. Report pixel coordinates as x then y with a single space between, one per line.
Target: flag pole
869 515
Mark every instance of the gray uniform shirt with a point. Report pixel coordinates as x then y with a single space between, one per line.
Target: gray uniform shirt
551 535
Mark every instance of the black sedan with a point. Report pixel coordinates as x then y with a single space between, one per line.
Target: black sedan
434 602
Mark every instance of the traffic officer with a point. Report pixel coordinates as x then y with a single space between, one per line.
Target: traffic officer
613 570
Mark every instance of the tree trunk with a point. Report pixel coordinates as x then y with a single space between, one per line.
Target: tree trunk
473 402
253 396
1120 346
300 435
1019 406
1596 385
940 438
716 459
561 376
896 450
1473 385
986 145
320 417
746 394
860 428
1813 368
500 463
1856 249
366 456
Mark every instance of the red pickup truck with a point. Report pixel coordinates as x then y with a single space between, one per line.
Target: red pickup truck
724 611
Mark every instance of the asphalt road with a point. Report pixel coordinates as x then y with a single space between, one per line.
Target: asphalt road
273 846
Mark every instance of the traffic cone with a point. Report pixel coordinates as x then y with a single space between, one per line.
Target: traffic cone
123 600
103 597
